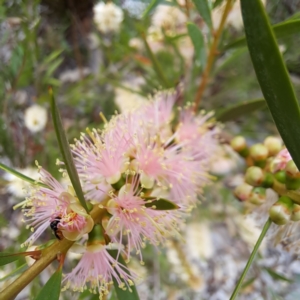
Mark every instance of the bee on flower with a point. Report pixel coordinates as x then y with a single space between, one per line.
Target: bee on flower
52 203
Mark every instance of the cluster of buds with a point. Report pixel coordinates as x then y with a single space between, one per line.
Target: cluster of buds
144 171
270 166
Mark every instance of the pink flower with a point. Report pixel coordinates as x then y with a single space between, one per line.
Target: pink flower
280 160
46 205
100 160
131 218
96 270
143 142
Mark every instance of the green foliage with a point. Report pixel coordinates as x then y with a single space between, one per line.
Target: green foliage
65 151
160 204
239 110
51 290
204 10
46 43
198 42
272 75
21 176
8 257
281 30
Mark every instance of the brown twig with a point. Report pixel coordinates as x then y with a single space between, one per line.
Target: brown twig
211 56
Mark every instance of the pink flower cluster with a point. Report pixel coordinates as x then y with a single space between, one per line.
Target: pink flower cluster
137 160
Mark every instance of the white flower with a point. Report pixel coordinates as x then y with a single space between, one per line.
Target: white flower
136 43
169 17
108 17
17 186
35 118
127 100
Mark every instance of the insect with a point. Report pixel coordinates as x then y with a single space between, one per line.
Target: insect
55 229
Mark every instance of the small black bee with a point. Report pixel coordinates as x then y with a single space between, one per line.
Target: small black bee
56 231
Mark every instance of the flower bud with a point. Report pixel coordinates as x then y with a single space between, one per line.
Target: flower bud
296 213
243 191
259 153
239 145
280 176
273 144
257 195
291 169
280 212
292 176
254 176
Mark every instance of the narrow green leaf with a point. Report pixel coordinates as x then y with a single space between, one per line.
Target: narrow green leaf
123 294
150 7
240 109
294 16
52 56
156 66
217 3
278 276
21 176
198 42
232 57
53 66
204 10
8 257
65 151
252 255
272 75
51 289
160 204
281 30
15 272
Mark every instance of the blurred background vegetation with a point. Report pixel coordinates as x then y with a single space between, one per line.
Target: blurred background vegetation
58 43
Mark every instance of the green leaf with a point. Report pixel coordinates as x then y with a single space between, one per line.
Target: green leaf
278 276
272 75
52 56
53 66
217 3
281 30
240 109
198 42
232 57
294 16
204 10
8 257
160 204
15 272
156 66
123 294
51 289
65 151
21 176
150 7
